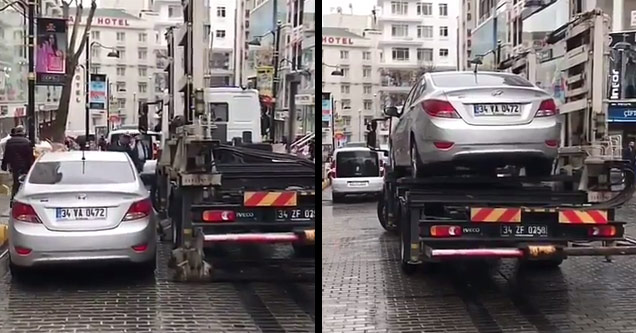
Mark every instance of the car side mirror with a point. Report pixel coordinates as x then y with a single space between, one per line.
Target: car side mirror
21 179
391 111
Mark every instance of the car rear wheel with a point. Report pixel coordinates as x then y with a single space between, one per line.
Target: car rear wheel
18 272
417 169
148 268
337 197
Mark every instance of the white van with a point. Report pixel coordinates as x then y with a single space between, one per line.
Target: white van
237 113
356 170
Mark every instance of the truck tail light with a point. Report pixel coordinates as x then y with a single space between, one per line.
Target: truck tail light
24 213
446 231
219 216
547 108
602 231
439 109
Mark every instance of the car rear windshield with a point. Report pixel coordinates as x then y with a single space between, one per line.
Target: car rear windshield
357 164
481 79
78 172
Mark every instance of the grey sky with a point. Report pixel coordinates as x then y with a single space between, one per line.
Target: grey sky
360 7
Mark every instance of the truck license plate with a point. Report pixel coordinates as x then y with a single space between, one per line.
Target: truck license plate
296 214
528 231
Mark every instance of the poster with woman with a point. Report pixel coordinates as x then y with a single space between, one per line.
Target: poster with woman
51 51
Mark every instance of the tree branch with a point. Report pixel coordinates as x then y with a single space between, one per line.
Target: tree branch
78 17
87 30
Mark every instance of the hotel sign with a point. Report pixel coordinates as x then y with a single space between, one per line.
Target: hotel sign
337 40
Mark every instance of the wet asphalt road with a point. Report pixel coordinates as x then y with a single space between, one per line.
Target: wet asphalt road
364 290
256 289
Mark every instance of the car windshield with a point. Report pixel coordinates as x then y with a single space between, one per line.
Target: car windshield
81 172
357 164
461 80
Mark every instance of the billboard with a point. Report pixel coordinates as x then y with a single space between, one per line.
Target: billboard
326 107
97 94
264 80
51 51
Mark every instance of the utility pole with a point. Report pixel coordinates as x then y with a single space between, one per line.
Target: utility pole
87 91
108 83
31 78
275 64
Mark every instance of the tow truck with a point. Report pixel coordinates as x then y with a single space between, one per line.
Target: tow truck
540 221
210 192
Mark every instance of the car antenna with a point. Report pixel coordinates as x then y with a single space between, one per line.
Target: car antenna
83 162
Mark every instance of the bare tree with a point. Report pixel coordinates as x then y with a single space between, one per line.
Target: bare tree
427 67
77 44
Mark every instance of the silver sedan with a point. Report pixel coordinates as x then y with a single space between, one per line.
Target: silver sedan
82 206
483 121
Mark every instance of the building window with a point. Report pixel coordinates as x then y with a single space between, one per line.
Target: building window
95 52
344 54
443 31
366 71
220 34
143 87
425 9
366 89
143 37
366 55
400 54
399 8
443 9
425 54
443 52
121 70
121 86
121 102
368 104
345 71
399 30
143 71
142 54
173 11
345 88
121 36
96 69
122 53
346 103
424 31
95 35
220 11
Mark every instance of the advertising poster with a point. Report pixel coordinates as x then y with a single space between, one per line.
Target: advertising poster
97 94
622 77
326 110
264 80
50 52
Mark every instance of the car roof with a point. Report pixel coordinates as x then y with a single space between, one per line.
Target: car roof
100 156
352 149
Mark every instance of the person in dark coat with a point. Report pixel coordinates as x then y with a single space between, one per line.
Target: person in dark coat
629 154
123 145
371 134
18 157
312 149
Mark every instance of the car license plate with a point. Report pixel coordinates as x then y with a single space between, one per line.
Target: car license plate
296 214
497 109
529 231
86 213
358 184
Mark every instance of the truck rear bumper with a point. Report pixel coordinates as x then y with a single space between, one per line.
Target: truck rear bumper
304 236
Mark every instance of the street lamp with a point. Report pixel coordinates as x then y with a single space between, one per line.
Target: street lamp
336 72
257 42
112 54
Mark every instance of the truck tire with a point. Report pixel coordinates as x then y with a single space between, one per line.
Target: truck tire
383 215
539 168
304 250
542 264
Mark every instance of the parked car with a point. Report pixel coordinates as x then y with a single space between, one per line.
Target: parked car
355 170
479 121
69 210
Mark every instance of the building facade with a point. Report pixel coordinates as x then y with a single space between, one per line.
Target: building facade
355 92
130 77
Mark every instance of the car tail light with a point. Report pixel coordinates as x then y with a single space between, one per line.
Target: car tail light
446 231
138 210
23 251
439 109
215 216
547 108
140 247
552 143
24 213
443 145
602 231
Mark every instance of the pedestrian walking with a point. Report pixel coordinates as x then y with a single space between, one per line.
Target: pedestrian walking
124 145
629 154
18 158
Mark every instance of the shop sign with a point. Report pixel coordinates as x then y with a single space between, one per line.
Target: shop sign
621 113
337 40
106 21
304 99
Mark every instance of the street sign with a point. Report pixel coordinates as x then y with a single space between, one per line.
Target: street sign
305 99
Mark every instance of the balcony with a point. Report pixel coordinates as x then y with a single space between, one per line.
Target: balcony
397 81
399 18
400 41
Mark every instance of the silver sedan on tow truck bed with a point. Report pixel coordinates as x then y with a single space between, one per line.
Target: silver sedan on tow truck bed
82 207
479 121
